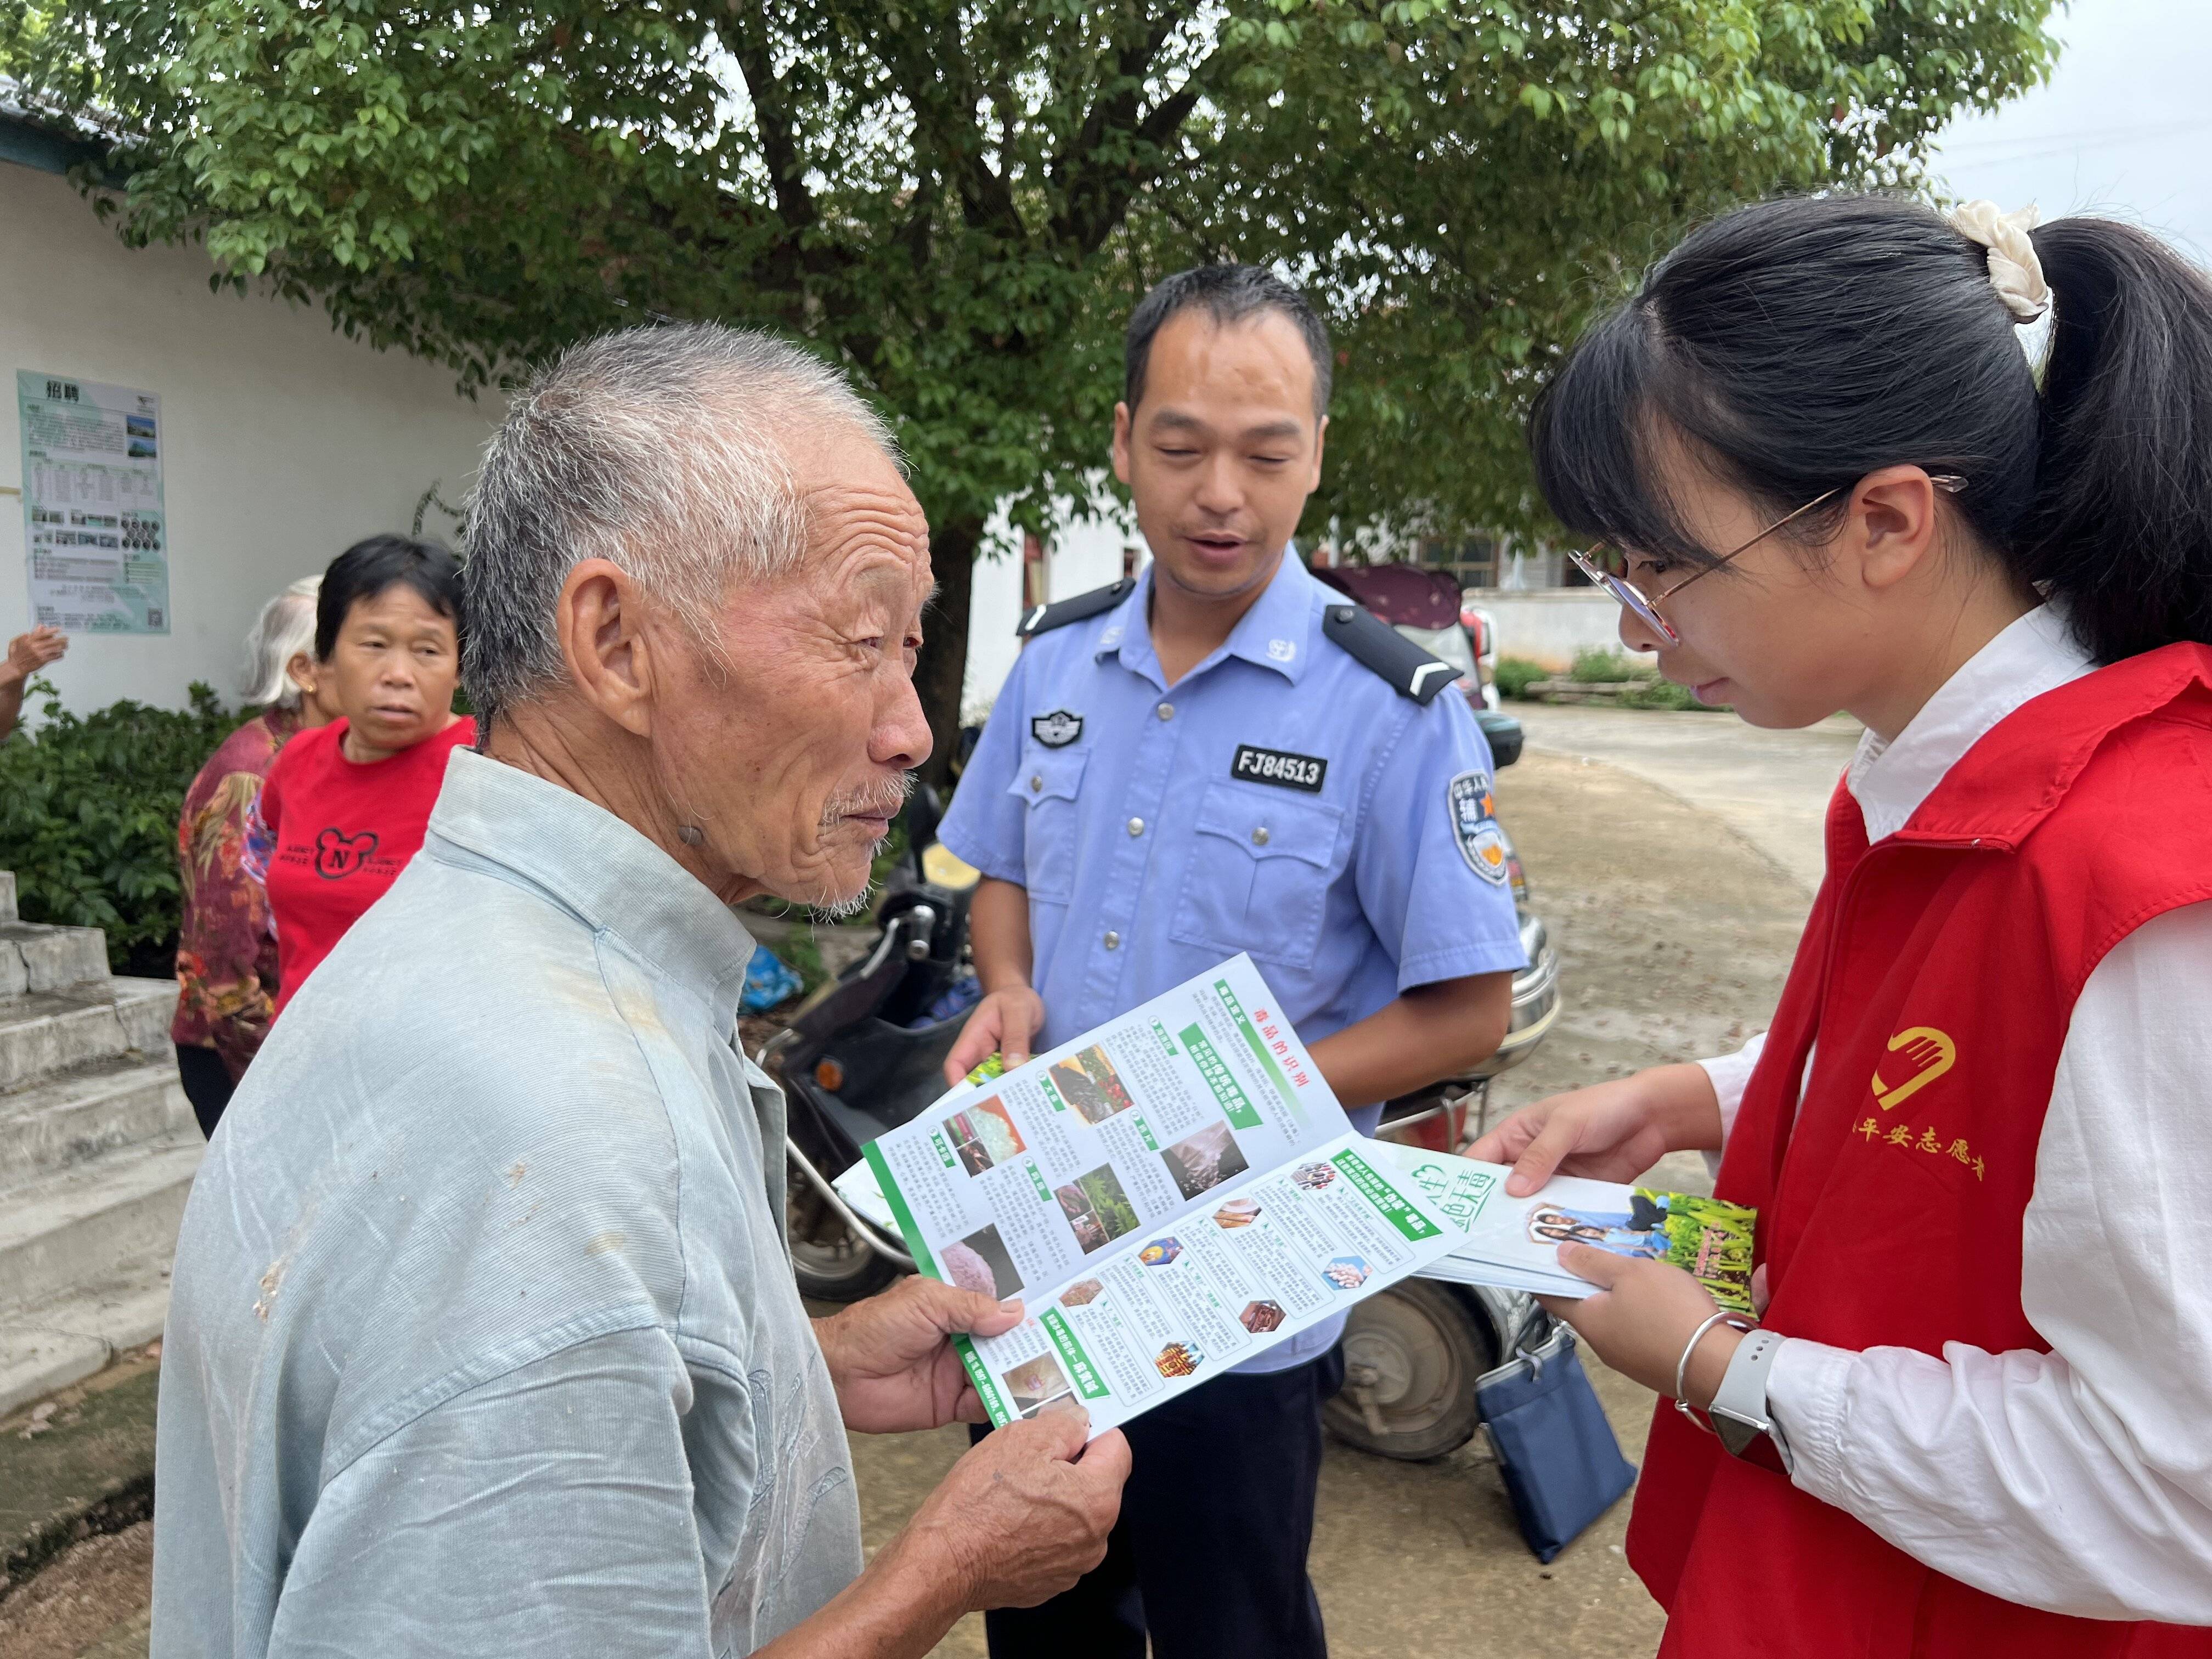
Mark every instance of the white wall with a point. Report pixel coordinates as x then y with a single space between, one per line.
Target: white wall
1080 554
283 441
1550 625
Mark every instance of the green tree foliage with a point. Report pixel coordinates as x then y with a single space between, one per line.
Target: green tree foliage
88 816
958 199
1469 182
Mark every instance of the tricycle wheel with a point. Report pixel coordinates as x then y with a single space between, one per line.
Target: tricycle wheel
1411 1356
828 1260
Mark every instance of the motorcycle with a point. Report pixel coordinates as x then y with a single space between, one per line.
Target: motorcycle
867 1051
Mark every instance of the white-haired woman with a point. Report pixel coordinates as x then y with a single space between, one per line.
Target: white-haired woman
225 950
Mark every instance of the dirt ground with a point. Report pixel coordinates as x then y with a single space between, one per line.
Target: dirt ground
1674 933
92 1602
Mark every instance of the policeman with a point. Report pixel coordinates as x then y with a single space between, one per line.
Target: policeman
1218 756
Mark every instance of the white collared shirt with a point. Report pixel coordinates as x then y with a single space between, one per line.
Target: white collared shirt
2078 1480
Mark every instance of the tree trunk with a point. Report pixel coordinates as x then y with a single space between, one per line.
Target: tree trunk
942 670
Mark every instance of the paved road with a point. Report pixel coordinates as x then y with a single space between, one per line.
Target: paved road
1771 787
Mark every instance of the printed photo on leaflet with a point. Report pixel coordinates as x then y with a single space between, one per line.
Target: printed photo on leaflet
1513 1244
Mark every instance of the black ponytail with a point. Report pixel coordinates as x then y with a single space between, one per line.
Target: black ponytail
1799 345
2121 527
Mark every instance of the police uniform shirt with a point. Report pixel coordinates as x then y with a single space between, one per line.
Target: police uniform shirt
1281 799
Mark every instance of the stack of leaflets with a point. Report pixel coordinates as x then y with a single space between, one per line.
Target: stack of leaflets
1178 1191
1513 1244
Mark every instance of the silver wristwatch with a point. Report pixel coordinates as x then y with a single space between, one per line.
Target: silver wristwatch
1739 1412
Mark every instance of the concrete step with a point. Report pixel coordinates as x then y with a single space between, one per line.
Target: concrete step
146 1008
81 1115
43 1033
67 1339
36 957
98 1222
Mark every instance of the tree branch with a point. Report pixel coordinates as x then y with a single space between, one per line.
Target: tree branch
1094 195
778 148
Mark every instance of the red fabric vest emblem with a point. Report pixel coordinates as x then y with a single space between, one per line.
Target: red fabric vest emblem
1936 978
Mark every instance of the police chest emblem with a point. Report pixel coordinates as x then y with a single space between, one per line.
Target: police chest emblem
1280 767
1056 730
1475 826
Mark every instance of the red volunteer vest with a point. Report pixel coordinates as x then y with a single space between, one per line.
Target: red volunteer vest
1937 976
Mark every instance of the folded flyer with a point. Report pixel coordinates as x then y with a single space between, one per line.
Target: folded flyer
1171 1194
1513 1244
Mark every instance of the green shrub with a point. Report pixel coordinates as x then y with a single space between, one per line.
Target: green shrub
1595 667
1514 676
1664 694
88 811
798 951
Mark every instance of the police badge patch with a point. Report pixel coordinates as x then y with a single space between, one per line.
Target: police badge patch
1475 826
1056 730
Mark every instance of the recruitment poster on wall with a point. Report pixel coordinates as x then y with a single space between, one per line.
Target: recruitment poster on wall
95 538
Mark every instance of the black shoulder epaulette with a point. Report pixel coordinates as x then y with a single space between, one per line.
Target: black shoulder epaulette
1043 618
1383 650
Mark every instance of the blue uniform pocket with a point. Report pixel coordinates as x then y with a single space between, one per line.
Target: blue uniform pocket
1260 872
1047 781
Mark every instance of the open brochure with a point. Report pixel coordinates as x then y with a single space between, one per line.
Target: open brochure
1171 1194
1513 1244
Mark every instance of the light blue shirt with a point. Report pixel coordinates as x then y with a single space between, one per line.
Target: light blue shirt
1281 799
483 1337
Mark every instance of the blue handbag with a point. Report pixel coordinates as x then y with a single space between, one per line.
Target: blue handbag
1562 1465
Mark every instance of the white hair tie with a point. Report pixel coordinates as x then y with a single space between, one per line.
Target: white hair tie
2014 271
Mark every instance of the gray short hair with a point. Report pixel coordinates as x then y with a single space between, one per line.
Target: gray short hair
657 449
285 628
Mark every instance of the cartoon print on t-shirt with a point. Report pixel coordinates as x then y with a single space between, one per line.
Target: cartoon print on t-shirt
338 854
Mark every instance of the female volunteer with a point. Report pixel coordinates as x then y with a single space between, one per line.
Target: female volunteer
1978 1416
345 805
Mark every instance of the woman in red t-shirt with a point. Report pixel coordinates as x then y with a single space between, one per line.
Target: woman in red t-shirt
345 805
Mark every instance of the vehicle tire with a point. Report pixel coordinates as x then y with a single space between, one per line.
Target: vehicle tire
1412 1354
830 1263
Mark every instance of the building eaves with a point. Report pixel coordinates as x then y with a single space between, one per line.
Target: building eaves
34 137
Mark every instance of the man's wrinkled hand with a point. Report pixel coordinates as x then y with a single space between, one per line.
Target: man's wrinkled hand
1005 1023
892 1361
1026 1512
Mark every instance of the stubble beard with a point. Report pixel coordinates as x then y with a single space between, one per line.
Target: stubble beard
878 799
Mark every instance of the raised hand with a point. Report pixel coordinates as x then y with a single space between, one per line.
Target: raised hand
29 652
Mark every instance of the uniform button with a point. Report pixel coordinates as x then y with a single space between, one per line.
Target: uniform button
1037 781
1136 826
1112 940
1167 711
1260 836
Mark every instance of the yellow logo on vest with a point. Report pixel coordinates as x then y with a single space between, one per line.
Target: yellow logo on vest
1928 1052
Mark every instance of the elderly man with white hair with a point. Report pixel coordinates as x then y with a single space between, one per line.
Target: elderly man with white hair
484 1337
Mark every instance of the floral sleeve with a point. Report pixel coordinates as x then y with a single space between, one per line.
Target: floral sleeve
227 949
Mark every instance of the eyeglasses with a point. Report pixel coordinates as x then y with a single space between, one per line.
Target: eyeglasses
1646 608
